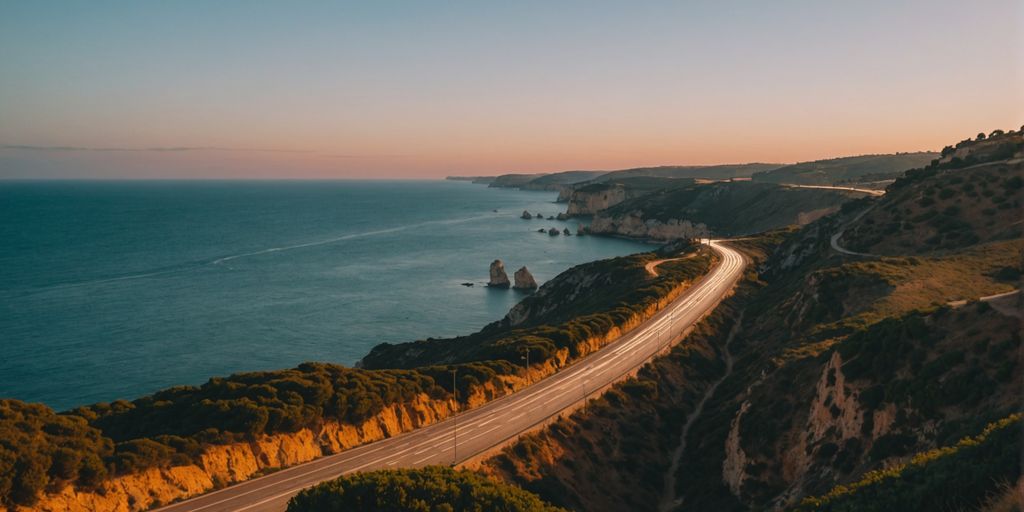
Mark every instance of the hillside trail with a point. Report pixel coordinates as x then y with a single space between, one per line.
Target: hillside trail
869 191
834 241
651 266
669 500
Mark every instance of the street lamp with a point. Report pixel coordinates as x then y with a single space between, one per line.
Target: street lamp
583 391
455 419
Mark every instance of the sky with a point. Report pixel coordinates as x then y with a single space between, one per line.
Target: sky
390 89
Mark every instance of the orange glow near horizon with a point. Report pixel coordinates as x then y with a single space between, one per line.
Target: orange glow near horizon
419 91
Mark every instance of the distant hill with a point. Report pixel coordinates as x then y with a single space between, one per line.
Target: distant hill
846 169
555 181
710 172
723 209
512 180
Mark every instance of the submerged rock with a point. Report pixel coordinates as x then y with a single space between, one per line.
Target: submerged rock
551 217
467 284
562 216
524 280
499 279
540 216
542 230
526 215
553 231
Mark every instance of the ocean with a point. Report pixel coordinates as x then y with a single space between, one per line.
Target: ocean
115 289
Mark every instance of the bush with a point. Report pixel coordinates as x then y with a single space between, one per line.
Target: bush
417 490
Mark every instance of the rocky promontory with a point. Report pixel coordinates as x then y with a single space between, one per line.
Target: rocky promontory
524 280
499 279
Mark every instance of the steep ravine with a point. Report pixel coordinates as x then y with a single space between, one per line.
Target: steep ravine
669 501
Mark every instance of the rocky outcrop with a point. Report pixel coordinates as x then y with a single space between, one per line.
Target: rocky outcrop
499 279
633 225
226 464
566 232
524 280
553 232
594 198
526 215
562 216
540 216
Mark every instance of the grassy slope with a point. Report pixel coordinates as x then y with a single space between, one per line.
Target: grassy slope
732 208
917 374
845 169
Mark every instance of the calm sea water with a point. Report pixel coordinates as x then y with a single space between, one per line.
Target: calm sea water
116 289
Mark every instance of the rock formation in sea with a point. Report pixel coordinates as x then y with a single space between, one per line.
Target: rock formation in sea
526 215
553 232
524 280
540 216
551 217
499 279
566 232
580 230
542 230
562 216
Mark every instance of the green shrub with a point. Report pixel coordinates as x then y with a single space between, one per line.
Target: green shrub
430 489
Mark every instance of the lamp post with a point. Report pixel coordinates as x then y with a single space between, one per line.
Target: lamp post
583 391
455 419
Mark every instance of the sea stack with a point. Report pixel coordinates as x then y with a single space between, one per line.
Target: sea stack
524 280
540 216
499 279
566 232
553 231
526 215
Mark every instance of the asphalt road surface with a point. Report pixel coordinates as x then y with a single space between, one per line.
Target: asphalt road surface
480 429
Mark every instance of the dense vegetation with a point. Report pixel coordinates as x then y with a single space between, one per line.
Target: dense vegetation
958 477
431 489
974 193
40 449
735 208
43 450
559 317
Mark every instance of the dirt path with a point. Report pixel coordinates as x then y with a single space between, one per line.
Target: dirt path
868 191
669 500
651 266
834 241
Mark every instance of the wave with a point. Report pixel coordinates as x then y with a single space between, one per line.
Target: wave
349 237
223 259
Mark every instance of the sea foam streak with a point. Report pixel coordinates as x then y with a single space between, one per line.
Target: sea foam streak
218 261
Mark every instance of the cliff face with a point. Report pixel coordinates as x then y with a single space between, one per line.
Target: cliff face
634 225
225 464
594 198
720 209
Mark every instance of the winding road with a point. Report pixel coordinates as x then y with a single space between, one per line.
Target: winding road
484 428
